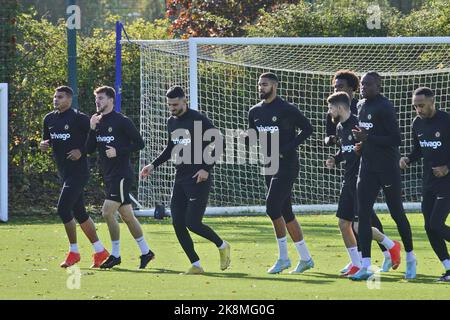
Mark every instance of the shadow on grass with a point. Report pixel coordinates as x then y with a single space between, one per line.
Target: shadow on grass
228 275
420 278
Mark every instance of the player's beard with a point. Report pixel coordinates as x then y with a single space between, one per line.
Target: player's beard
265 95
58 107
177 113
100 109
336 119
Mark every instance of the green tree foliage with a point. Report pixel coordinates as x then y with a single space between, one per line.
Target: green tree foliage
94 12
433 18
8 13
326 18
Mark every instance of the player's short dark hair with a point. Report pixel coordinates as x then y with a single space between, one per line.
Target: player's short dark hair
67 90
175 92
427 92
374 75
108 91
349 76
270 75
341 98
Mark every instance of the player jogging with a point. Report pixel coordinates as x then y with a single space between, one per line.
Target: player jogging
115 137
431 141
193 179
273 114
340 111
66 131
379 132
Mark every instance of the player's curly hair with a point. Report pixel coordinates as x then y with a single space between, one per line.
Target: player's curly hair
349 76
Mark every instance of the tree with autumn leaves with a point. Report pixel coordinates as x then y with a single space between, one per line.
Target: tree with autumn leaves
233 18
216 17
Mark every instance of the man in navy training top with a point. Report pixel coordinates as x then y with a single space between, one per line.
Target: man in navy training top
340 111
431 141
275 116
66 131
379 134
115 137
193 179
347 81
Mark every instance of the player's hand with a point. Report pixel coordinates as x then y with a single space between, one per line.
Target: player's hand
360 134
74 154
330 163
111 152
146 171
440 172
404 161
44 145
95 119
330 141
202 175
358 147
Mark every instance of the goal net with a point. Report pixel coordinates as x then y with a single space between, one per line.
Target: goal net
221 75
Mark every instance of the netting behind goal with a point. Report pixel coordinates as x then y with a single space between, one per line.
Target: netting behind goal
227 78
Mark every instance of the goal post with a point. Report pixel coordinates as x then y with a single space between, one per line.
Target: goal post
3 152
220 76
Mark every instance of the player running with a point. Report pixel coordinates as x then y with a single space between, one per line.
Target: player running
274 115
193 179
339 109
115 137
431 141
379 133
66 131
347 81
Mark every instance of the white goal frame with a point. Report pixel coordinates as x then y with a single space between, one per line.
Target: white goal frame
3 152
194 43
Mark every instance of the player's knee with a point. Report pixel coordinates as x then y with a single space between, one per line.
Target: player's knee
273 211
107 214
126 213
437 227
65 216
127 217
273 215
427 227
81 217
177 222
344 225
288 216
194 226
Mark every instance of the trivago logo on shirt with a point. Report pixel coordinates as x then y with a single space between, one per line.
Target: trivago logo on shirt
60 136
107 139
270 129
183 141
348 148
366 125
430 144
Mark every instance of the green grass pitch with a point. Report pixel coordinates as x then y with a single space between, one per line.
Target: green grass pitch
32 248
